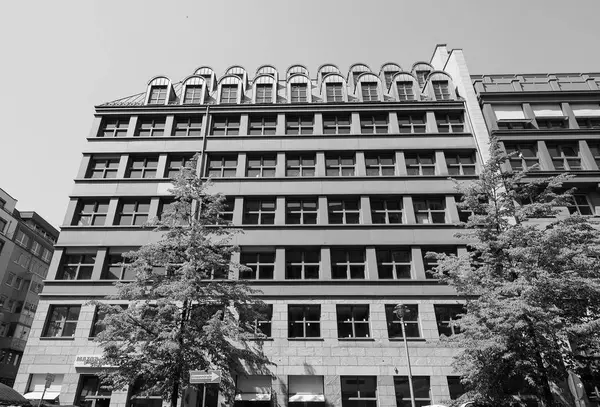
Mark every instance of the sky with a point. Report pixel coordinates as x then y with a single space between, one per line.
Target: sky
58 59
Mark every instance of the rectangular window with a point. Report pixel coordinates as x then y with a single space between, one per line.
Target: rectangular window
460 163
151 127
10 278
412 123
394 263
259 212
430 210
158 95
369 91
336 124
588 122
455 387
445 315
333 92
348 264
359 391
420 163
261 166
430 260
36 248
260 265
450 122
340 165
187 126
114 127
353 321
76 267
264 93
300 165
421 391
193 95
22 239
221 166
229 93
580 205
304 321
298 92
565 157
91 213
411 321
103 168
142 167
46 255
228 207
175 163
62 321
594 146
263 324
374 123
405 91
263 125
91 393
133 212
302 264
441 90
116 268
387 210
225 126
343 211
299 124
301 211
2 225
380 164
97 323
522 157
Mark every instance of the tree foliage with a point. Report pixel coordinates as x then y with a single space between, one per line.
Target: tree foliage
532 283
182 315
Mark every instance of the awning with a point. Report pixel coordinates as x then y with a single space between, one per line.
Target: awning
37 395
307 398
253 397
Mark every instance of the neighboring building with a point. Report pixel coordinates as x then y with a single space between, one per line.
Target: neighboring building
552 122
340 182
26 246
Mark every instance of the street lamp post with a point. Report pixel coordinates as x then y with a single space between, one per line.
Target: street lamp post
401 310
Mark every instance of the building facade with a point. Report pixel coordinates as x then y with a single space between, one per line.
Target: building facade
26 246
551 125
340 183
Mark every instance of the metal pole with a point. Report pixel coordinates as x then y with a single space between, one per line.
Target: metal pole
204 395
41 398
400 310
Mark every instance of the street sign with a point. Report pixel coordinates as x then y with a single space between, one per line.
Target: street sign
49 380
205 377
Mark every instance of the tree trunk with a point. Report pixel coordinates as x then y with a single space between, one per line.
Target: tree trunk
177 373
548 398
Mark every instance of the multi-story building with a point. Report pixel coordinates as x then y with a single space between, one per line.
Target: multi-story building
551 124
26 245
340 183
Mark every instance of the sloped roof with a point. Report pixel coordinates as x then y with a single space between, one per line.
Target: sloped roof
9 396
140 98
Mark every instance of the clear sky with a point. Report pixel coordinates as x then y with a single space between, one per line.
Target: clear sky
60 58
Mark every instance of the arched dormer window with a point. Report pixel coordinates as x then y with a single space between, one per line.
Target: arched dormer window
439 86
387 72
264 89
209 77
160 91
295 69
355 71
267 70
240 72
421 70
368 88
193 90
334 88
325 70
405 87
299 88
230 90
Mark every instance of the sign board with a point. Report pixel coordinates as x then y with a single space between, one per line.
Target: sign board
49 379
205 377
88 361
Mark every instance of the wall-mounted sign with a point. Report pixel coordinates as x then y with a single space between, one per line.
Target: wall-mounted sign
88 361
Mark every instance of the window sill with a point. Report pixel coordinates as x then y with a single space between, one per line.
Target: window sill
356 339
306 339
270 339
57 338
408 340
144 138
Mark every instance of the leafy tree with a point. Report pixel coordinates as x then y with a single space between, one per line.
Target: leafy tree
182 315
532 287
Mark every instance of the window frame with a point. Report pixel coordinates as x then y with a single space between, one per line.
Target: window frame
370 123
307 311
195 97
229 94
223 169
355 311
516 150
122 264
387 211
107 167
225 125
157 126
431 219
349 215
347 263
301 211
441 90
576 205
175 162
332 122
339 166
445 315
261 212
120 123
301 168
188 125
396 274
405 90
563 157
334 92
379 166
295 124
266 167
296 92
94 214
262 125
258 267
264 93
62 323
417 163
394 324
135 214
353 396
420 401
303 263
158 94
82 263
369 91
459 167
412 123
450 122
